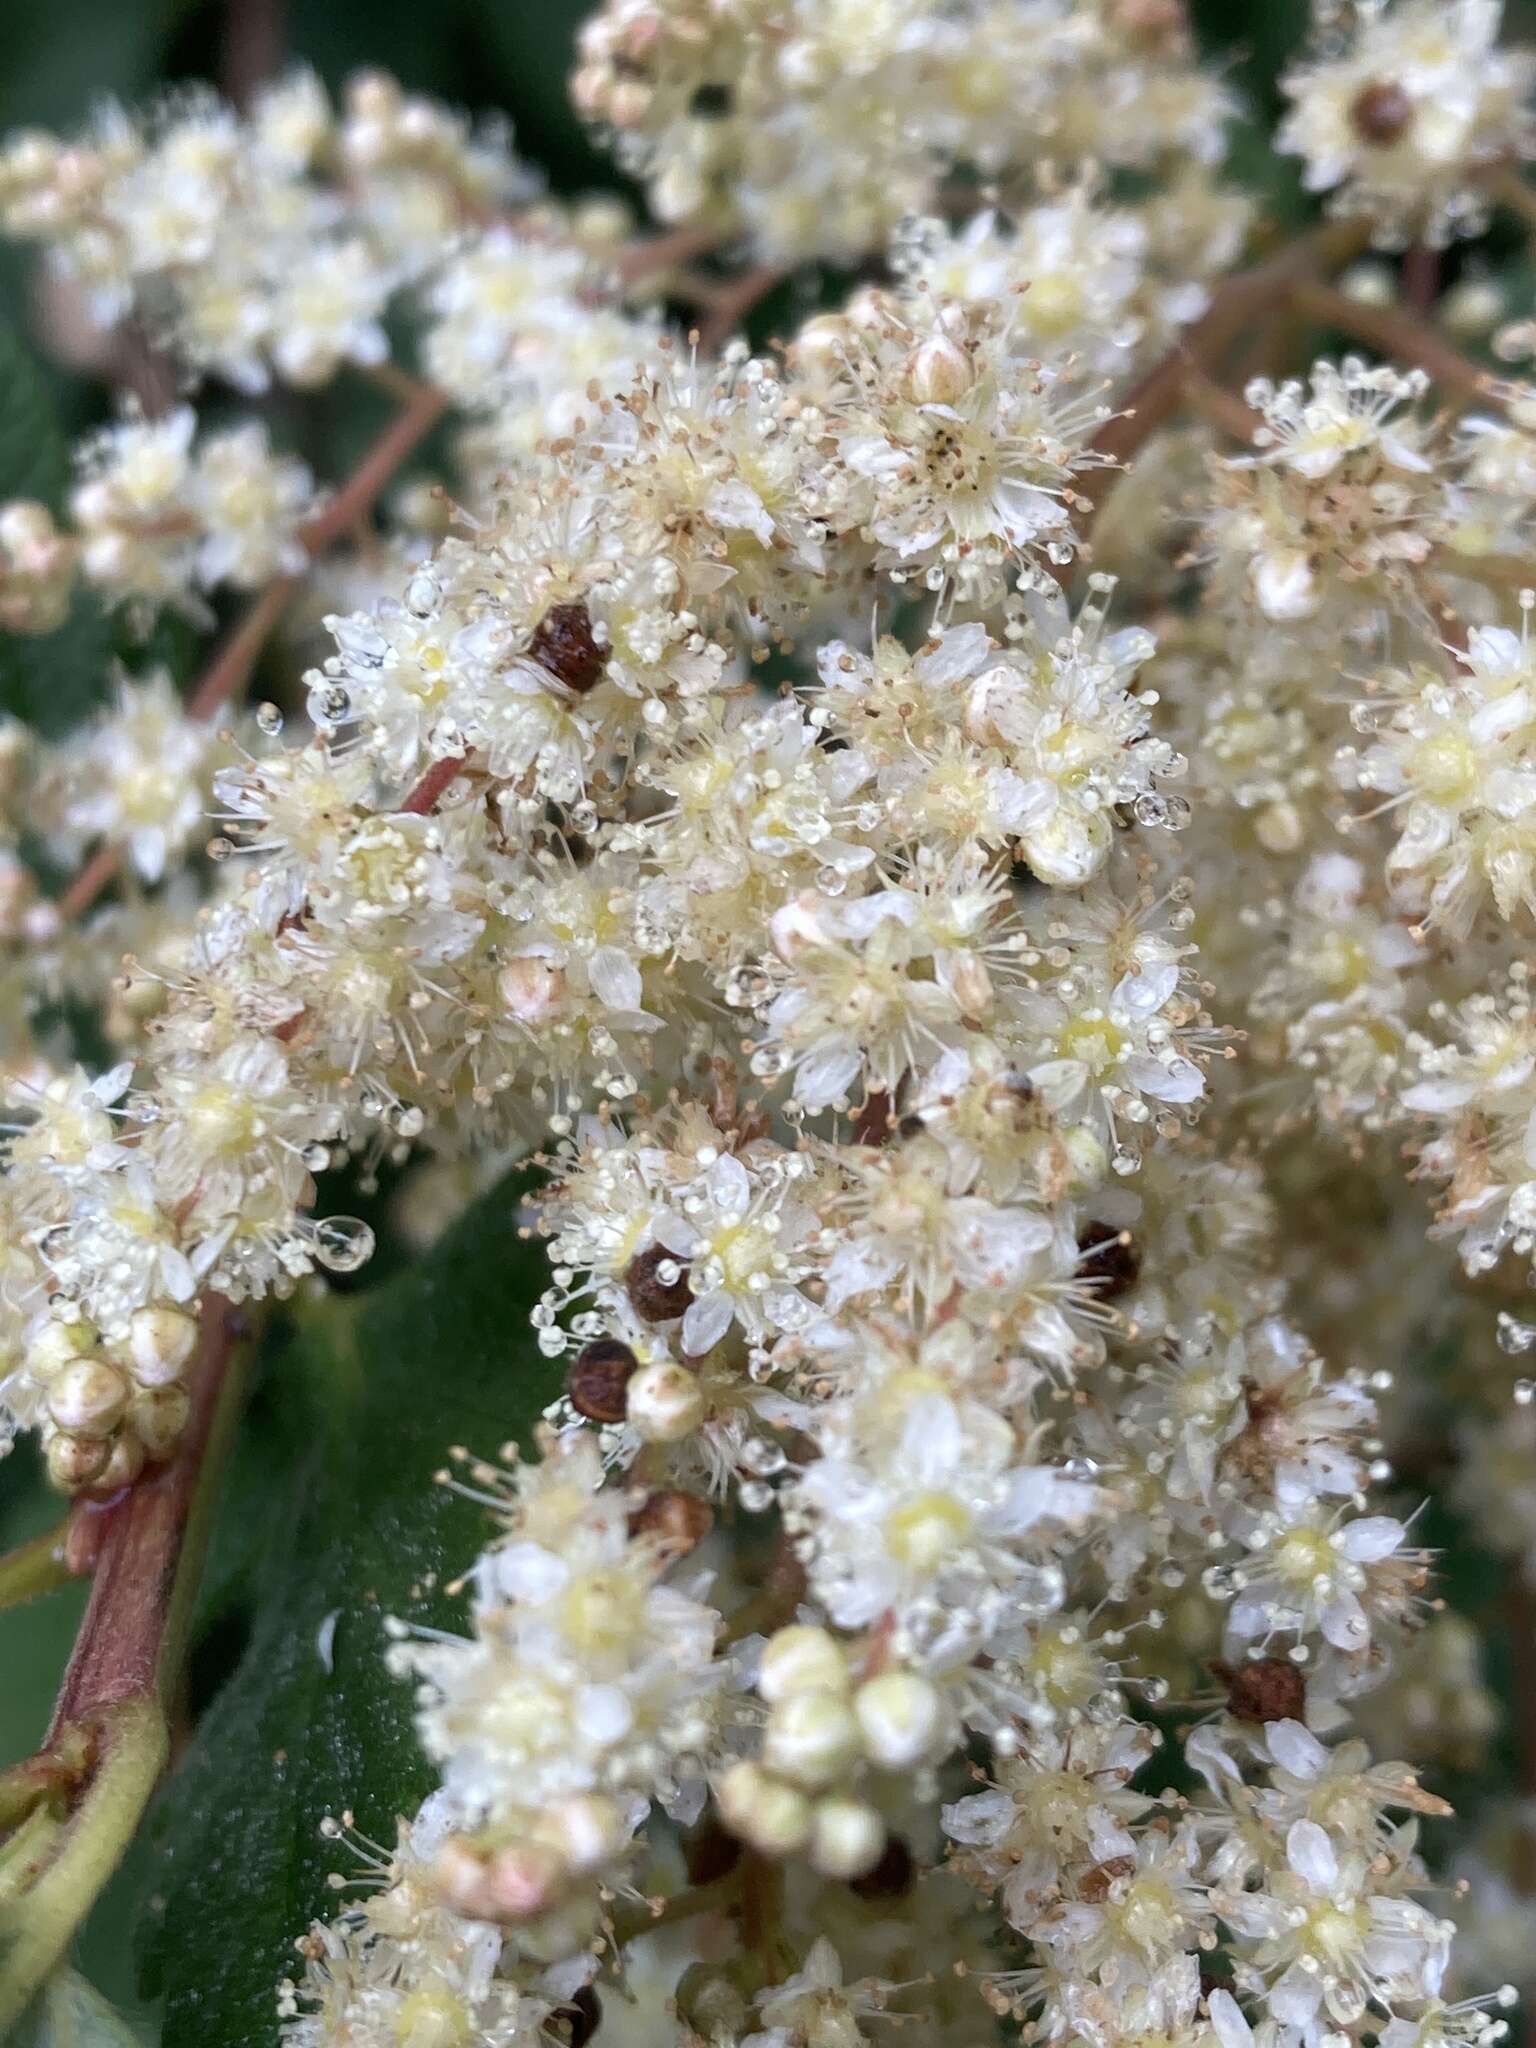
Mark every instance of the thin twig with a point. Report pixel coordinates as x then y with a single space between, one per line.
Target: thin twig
734 301
1392 332
659 253
1235 307
424 796
227 673
1220 407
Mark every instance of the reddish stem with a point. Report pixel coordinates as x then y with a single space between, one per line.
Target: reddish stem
123 1636
424 796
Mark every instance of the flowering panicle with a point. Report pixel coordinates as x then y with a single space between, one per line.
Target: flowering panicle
970 966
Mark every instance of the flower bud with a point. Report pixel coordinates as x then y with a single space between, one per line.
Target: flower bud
899 1714
847 1838
811 1738
801 1659
523 1880
160 1342
675 1521
770 1815
598 1381
532 990
158 1416
666 1402
939 372
76 1461
125 1461
58 1344
585 1831
88 1397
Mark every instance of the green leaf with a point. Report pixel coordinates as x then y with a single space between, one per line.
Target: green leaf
34 457
54 681
70 2013
311 1723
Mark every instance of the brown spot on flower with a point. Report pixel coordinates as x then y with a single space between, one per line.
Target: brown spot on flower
596 1384
1109 1259
563 644
1381 113
1265 1689
655 1297
679 1521
1094 1885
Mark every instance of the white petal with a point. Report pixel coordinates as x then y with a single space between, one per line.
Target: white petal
1310 1854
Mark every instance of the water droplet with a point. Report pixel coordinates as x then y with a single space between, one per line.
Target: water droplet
220 849
1515 1337
343 1243
317 1157
269 720
1525 1393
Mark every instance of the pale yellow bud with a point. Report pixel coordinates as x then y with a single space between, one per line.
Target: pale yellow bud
664 1402
772 1816
899 1714
160 1342
847 1838
88 1397
158 1416
58 1344
811 1738
76 1461
801 1659
940 371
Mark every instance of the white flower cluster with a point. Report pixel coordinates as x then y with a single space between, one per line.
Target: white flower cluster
816 126
866 1019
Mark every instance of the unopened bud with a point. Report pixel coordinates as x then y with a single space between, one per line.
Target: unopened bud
801 1659
585 1831
898 1713
523 1880
811 1739
76 1461
160 1342
939 372
847 1838
58 1344
532 990
675 1521
770 1815
88 1397
158 1416
666 1402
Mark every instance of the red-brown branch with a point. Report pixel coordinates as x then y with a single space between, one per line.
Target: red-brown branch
424 796
1392 332
1235 307
130 1619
